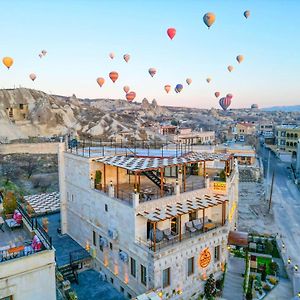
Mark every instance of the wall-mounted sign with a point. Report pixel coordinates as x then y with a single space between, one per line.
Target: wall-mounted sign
204 258
219 186
232 211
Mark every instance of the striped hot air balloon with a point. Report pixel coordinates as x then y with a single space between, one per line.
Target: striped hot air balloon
225 103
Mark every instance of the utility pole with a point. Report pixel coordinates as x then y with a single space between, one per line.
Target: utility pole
270 201
268 174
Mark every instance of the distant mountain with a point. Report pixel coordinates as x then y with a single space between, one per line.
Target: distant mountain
283 108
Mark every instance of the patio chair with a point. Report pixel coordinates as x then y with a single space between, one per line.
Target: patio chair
189 227
168 234
16 220
198 224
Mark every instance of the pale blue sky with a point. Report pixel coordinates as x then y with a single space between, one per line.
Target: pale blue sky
78 36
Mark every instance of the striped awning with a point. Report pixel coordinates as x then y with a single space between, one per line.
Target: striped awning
133 163
180 208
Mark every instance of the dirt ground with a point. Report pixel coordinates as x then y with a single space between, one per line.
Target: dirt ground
32 173
253 209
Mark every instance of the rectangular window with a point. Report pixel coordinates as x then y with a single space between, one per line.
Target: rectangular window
111 246
121 289
111 280
94 238
21 106
217 253
190 266
100 244
143 275
132 267
106 208
166 277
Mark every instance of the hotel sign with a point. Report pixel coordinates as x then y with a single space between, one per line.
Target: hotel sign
219 186
204 258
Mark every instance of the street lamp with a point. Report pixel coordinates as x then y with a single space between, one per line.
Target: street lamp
296 268
283 245
289 261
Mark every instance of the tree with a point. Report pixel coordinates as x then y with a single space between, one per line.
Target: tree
210 287
273 267
29 166
264 273
269 247
9 203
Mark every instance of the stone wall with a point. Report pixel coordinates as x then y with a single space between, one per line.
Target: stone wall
32 148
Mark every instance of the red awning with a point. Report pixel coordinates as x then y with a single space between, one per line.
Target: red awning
238 238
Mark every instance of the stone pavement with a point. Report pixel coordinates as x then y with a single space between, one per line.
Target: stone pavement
283 291
233 285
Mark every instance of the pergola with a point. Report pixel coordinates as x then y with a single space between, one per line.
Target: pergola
185 207
138 165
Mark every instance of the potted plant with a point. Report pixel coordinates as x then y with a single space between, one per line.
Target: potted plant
9 204
98 180
45 223
30 210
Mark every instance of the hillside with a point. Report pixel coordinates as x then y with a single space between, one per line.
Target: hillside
26 113
291 108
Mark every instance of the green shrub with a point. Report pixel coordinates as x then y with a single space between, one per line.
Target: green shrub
9 203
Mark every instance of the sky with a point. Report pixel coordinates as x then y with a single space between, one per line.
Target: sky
80 34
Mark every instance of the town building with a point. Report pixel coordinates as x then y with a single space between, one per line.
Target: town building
27 261
287 137
187 136
153 223
168 129
245 154
244 129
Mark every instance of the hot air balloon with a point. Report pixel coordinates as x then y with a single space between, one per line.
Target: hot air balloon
100 81
230 68
208 80
7 61
44 52
240 58
217 94
178 88
152 71
111 55
247 14
224 103
167 88
229 96
171 33
130 96
40 55
126 89
209 19
113 76
126 57
188 81
32 76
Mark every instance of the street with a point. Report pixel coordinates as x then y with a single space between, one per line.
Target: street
286 209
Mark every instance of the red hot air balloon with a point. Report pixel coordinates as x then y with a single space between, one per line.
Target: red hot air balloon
152 71
126 57
167 88
126 89
217 94
100 81
130 96
113 76
225 103
32 76
171 33
229 96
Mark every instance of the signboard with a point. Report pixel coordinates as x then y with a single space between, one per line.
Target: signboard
232 211
204 258
219 186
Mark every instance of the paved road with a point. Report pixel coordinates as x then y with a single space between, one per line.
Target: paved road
285 206
233 285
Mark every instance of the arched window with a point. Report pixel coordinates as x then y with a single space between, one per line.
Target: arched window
287 135
288 144
296 135
292 135
295 144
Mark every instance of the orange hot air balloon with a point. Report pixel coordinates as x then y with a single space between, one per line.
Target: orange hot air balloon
167 88
240 58
32 76
230 68
208 80
111 55
152 71
217 94
209 19
188 81
126 57
126 89
130 96
100 81
7 61
171 33
113 76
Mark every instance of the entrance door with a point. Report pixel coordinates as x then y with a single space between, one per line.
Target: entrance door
175 225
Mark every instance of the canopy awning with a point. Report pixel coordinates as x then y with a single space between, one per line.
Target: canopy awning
180 208
134 163
238 238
